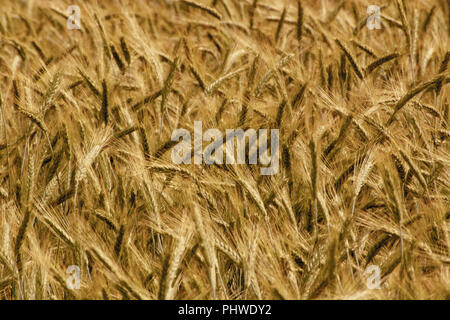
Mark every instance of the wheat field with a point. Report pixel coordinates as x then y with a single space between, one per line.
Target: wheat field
359 208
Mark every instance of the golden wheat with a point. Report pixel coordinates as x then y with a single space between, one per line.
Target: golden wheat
86 170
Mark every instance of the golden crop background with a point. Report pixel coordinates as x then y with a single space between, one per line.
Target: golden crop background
85 150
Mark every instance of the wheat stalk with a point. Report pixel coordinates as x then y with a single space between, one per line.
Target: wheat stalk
210 11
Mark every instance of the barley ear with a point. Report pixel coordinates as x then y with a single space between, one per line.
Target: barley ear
351 59
299 20
105 106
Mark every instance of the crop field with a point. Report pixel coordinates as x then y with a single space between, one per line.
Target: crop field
351 199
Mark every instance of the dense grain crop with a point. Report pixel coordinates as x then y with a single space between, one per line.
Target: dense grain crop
87 178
